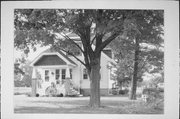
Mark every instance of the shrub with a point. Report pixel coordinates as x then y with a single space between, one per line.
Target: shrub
151 92
123 92
25 82
126 91
114 91
60 95
155 97
37 95
17 93
161 89
18 83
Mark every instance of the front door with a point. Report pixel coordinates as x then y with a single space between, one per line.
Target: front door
49 77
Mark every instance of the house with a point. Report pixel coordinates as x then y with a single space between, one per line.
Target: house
56 68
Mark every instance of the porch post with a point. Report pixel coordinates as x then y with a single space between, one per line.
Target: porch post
67 73
34 82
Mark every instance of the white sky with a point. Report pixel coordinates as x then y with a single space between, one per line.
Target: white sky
32 55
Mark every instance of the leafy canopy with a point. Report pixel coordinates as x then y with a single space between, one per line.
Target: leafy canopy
149 24
39 26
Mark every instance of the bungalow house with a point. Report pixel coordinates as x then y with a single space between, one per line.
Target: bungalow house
56 68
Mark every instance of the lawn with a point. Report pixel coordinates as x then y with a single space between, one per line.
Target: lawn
79 105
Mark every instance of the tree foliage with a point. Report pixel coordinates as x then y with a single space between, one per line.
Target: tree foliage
148 42
22 72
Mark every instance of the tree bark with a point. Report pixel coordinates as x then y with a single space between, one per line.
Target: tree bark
95 84
132 95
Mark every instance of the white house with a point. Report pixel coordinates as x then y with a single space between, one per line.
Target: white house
57 67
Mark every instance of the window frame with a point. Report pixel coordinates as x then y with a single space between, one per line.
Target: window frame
63 76
85 74
57 74
47 77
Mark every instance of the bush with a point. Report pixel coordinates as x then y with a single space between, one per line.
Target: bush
19 83
37 95
123 92
155 97
25 82
114 91
151 92
60 95
161 89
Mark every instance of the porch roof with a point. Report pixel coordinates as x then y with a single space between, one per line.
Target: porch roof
51 57
61 53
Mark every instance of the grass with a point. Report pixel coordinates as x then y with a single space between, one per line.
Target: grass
79 105
112 104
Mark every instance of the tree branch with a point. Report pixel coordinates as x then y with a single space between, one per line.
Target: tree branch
93 40
67 37
86 59
73 56
85 38
106 42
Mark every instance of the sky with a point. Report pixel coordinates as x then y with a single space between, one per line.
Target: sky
32 54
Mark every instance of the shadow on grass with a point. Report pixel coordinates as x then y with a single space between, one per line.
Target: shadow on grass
77 110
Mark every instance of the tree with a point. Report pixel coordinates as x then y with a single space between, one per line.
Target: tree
22 72
17 69
141 58
40 26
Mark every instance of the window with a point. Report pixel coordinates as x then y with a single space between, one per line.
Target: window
85 75
57 74
63 74
46 75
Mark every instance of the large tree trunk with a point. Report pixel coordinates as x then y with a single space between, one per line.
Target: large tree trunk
132 95
95 84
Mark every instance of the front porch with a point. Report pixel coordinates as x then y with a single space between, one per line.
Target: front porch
52 74
53 82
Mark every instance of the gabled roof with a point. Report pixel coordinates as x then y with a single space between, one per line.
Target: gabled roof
49 60
65 57
61 53
62 57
